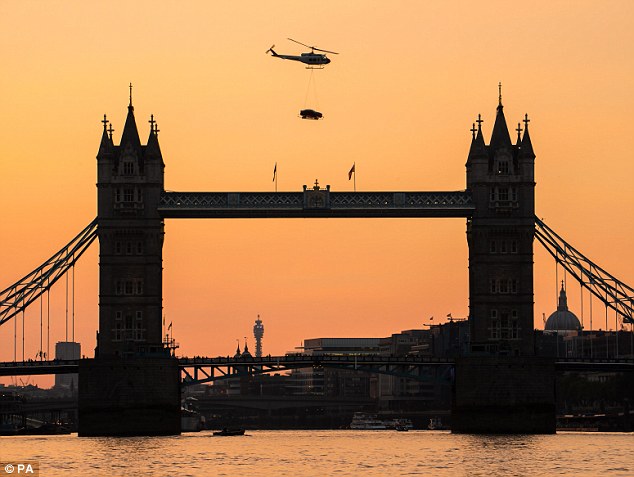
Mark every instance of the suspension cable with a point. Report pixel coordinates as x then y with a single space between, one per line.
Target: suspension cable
66 329
25 291
41 322
15 340
73 304
22 334
48 323
607 288
582 326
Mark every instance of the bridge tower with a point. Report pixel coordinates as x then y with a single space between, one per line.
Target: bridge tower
131 387
130 230
500 234
502 387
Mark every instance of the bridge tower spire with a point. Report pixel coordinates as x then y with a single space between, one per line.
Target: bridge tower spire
500 177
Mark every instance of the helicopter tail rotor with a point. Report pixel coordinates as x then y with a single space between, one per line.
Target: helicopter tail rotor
270 50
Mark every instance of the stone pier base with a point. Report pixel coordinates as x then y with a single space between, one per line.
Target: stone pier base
131 397
504 395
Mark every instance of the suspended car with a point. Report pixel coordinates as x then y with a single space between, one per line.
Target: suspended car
310 114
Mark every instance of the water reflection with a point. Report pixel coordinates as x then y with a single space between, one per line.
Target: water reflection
327 453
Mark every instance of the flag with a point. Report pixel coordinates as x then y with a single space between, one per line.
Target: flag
170 326
352 171
274 171
431 319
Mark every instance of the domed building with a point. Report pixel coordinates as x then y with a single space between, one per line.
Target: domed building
563 319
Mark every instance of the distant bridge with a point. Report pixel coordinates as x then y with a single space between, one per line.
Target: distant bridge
200 370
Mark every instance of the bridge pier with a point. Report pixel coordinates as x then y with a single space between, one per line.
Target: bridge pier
504 395
129 397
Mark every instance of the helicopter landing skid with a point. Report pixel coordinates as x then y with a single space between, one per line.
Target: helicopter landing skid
314 67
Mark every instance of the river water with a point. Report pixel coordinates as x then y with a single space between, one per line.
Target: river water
326 453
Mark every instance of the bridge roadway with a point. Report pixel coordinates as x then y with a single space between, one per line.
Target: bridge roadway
315 202
203 369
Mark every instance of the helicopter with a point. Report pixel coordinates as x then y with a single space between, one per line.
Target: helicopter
312 59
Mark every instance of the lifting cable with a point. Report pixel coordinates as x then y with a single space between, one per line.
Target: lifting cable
311 83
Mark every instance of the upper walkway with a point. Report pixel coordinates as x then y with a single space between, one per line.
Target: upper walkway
315 202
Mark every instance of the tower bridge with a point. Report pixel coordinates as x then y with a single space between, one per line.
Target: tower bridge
132 384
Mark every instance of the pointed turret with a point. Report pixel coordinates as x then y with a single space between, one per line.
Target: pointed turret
563 299
477 159
238 352
500 136
478 147
245 353
526 150
153 150
130 132
105 146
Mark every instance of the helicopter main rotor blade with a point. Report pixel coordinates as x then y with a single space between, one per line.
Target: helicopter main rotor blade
303 44
325 51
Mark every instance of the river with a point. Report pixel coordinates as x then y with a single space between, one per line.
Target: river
324 454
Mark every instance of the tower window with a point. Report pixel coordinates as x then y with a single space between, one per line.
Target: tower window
492 246
504 288
118 331
503 167
128 168
494 329
128 195
503 193
117 247
494 287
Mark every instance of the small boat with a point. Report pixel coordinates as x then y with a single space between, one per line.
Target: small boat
400 424
435 424
229 432
362 421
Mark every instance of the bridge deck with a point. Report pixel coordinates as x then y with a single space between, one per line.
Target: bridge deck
315 203
273 363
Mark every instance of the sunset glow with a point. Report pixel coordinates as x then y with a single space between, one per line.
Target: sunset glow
398 102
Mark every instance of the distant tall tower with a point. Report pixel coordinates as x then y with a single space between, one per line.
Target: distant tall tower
258 333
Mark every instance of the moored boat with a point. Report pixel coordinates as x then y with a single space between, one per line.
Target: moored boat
435 424
363 421
229 432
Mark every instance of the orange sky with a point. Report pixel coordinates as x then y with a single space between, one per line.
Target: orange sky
398 100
